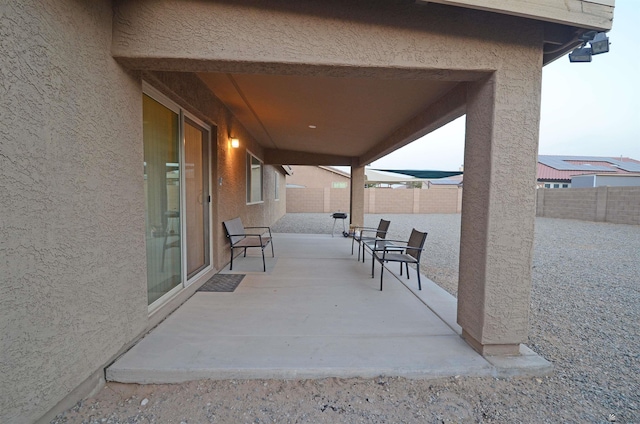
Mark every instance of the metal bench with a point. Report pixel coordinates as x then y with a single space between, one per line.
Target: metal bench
240 239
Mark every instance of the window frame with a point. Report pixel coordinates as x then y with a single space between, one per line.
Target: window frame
249 181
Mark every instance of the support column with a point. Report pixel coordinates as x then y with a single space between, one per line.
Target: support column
356 208
498 211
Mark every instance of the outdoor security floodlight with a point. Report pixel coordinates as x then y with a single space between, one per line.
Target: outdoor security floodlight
582 54
600 43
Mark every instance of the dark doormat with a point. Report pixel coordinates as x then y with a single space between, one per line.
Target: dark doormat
222 283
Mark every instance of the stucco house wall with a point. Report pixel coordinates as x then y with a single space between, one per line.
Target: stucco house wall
72 254
74 290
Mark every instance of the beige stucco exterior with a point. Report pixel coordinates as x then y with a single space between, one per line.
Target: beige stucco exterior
73 283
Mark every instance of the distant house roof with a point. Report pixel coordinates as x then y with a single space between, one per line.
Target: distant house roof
335 171
562 168
446 181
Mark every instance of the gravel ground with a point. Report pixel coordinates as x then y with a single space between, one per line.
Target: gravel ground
585 309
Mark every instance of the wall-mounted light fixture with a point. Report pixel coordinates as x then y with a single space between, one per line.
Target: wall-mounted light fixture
235 143
598 41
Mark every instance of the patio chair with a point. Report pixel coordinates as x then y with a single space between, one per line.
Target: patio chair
369 234
240 239
412 251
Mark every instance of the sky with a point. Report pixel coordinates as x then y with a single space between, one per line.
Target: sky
588 109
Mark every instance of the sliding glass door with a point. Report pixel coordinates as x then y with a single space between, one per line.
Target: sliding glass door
177 196
161 133
196 161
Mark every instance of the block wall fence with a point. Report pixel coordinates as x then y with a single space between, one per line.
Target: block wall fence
618 205
376 200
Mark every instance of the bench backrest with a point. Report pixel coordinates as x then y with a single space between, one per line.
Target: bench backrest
234 226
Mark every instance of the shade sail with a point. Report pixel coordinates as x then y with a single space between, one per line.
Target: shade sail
424 174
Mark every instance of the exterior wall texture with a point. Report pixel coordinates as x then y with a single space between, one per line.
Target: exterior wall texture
72 249
618 205
73 292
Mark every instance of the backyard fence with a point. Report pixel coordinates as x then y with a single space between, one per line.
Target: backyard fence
376 200
618 205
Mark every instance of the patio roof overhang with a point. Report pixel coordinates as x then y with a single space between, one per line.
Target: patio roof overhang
351 107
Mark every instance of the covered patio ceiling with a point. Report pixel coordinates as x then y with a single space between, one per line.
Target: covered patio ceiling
301 119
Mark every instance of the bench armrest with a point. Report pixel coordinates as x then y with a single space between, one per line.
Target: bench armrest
267 228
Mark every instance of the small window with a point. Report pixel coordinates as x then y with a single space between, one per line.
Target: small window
277 194
339 185
565 185
547 185
254 179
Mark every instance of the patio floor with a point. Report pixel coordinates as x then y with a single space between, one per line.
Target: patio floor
315 313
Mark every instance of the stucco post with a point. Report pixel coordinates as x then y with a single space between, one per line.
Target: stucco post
498 211
357 196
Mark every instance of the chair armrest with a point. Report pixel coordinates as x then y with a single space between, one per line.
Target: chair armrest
397 241
268 228
413 248
372 230
243 235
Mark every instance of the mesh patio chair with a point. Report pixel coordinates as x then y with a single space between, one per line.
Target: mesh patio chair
369 234
411 253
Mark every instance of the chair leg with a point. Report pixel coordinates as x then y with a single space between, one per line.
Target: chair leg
373 260
272 252
245 252
353 240
418 270
264 264
400 268
381 272
231 266
407 264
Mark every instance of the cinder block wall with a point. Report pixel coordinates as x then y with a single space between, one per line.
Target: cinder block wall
376 200
623 205
576 203
301 200
444 200
391 201
618 205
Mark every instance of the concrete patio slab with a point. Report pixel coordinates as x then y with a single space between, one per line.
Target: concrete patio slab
315 313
